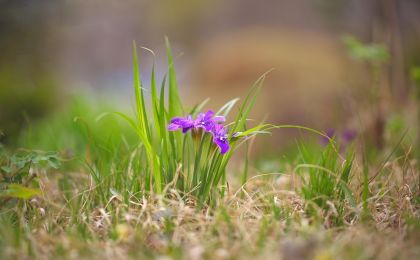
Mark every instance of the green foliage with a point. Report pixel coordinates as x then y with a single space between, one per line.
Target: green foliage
373 52
19 191
20 170
75 131
415 75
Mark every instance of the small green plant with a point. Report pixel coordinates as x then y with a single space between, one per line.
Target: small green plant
375 52
18 172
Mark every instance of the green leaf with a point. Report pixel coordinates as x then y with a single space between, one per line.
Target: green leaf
6 169
199 107
373 52
20 192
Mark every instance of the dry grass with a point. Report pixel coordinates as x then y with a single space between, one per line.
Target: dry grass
265 219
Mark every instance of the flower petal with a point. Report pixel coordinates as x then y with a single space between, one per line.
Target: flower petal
349 135
173 127
219 119
176 120
186 128
180 122
224 146
209 115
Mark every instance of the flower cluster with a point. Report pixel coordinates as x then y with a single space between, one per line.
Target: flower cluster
208 122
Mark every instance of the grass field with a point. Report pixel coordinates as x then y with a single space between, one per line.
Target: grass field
91 183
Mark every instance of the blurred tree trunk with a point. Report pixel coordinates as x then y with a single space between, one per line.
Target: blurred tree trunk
397 70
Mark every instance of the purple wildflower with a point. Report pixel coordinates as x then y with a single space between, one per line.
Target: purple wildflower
207 121
220 138
349 135
181 123
344 137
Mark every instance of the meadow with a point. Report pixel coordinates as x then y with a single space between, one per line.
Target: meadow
170 180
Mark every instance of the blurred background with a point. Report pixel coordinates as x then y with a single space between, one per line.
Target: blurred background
332 59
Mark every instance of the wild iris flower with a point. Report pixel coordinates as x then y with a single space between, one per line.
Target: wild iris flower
206 121
220 138
181 123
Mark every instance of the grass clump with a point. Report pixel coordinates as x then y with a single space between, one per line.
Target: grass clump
189 163
326 179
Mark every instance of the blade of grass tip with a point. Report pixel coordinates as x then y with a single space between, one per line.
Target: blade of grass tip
389 156
199 106
225 109
155 100
140 106
137 85
143 130
248 103
175 105
122 115
162 112
256 129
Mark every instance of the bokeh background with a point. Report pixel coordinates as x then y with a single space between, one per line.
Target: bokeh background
54 49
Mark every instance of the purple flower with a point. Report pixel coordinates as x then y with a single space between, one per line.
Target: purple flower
181 123
349 135
345 137
207 121
220 138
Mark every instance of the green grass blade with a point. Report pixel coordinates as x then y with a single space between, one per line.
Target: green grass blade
175 106
225 109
